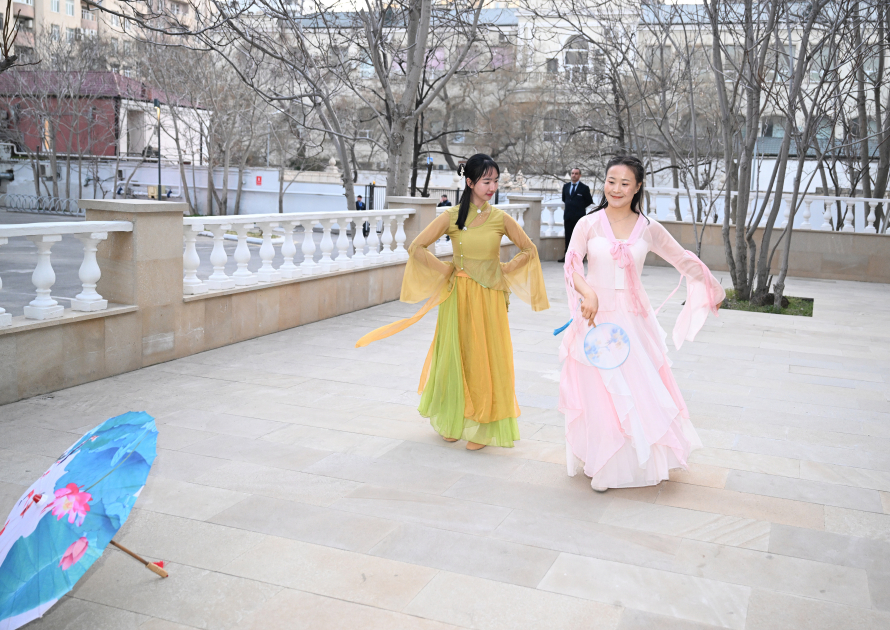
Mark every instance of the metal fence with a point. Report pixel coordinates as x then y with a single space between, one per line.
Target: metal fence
44 204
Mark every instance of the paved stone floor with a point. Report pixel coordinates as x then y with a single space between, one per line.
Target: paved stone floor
296 487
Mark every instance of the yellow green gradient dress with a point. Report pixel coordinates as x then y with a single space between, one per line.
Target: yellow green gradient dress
467 383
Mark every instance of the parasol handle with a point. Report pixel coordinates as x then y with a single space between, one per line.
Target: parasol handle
151 566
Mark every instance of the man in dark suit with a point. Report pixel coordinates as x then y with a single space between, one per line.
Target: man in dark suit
575 197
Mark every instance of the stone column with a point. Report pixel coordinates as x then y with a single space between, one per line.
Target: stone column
425 213
532 216
141 268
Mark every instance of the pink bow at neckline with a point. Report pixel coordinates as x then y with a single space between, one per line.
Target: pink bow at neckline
622 255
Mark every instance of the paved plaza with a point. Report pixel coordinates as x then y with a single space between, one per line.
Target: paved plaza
296 486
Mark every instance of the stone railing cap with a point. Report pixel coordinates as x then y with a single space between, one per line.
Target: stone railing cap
525 196
416 201
133 205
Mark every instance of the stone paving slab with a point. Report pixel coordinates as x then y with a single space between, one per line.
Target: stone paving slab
297 487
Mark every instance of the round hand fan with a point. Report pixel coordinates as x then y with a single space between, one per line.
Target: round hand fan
606 346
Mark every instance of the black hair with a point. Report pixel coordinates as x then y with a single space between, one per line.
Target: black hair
474 170
634 164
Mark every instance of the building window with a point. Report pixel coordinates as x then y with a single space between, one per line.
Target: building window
30 3
558 126
71 35
69 8
552 66
576 59
54 6
55 32
86 15
773 127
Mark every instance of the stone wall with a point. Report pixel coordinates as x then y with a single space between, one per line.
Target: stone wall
150 321
814 254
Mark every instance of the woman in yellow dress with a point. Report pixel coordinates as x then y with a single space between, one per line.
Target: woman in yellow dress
467 383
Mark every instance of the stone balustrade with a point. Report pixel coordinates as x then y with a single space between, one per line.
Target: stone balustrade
814 212
385 244
44 236
551 219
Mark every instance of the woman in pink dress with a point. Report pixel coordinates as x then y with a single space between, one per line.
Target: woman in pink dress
629 426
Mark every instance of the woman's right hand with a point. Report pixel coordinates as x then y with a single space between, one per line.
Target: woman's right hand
589 306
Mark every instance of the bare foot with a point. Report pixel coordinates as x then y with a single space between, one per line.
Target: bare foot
472 446
449 439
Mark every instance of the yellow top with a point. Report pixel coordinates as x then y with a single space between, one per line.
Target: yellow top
477 251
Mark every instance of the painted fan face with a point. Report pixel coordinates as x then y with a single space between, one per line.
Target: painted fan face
607 346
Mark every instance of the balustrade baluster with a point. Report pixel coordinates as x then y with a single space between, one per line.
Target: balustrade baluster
805 224
326 263
343 260
88 299
267 273
288 250
5 318
309 266
826 216
358 244
242 276
401 253
786 215
43 306
386 253
848 217
870 227
218 280
191 284
373 256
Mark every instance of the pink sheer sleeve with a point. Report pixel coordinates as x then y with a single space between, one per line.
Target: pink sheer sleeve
703 291
575 262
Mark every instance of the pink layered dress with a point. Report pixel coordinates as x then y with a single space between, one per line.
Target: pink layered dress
628 426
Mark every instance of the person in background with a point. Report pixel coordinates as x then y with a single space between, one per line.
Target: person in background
360 205
444 203
576 198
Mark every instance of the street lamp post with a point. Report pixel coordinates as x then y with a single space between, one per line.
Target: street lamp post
157 105
429 172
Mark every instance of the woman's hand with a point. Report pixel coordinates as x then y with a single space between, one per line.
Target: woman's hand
589 306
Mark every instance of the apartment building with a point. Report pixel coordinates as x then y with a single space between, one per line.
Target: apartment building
57 19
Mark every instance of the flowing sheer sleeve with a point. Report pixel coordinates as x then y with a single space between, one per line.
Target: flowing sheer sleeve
523 274
425 273
425 277
703 291
575 262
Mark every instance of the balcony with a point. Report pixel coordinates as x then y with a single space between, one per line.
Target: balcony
23 9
